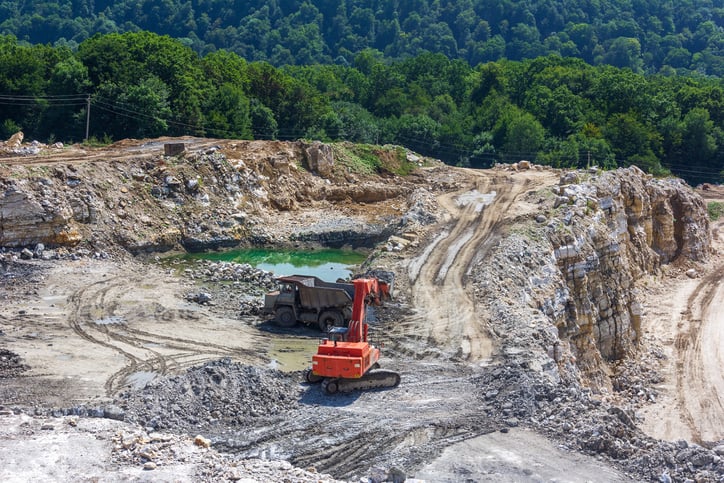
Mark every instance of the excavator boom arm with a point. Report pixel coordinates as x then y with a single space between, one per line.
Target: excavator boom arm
367 291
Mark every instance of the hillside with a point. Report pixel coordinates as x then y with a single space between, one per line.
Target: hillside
651 35
531 321
550 110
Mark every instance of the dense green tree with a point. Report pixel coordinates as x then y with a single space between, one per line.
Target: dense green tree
633 141
419 132
653 35
64 120
624 52
137 110
227 113
263 123
124 59
519 134
356 123
555 110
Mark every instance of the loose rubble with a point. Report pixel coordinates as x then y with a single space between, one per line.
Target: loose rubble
220 393
11 364
246 288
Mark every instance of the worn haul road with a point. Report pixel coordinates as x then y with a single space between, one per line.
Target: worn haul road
687 316
446 312
94 327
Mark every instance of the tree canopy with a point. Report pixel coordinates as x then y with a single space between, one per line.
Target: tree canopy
644 35
553 110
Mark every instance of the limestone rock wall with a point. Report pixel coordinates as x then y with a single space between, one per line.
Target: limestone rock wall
560 292
30 214
609 230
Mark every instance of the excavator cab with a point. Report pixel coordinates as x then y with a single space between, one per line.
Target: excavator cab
338 334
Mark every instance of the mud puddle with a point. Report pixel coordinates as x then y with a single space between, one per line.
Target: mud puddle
291 354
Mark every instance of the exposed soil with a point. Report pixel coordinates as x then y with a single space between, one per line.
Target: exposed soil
687 320
120 338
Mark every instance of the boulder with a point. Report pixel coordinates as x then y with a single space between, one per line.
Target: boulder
320 159
15 140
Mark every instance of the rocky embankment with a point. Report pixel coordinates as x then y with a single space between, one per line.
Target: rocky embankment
204 198
564 290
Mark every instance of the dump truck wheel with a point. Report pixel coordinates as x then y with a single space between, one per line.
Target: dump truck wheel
330 318
284 317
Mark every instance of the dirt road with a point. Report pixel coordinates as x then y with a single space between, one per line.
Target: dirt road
472 223
118 151
687 316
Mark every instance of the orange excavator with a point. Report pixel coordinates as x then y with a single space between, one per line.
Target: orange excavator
345 360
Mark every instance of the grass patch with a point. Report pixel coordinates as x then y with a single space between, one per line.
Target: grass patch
371 159
530 230
715 210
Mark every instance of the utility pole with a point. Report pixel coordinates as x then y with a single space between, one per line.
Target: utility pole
87 117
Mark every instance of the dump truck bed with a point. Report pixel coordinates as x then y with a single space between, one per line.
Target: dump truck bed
315 292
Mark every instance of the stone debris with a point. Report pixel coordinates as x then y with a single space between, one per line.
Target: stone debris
201 441
219 393
159 451
15 146
248 285
15 140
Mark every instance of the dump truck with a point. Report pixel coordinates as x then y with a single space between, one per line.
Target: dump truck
310 300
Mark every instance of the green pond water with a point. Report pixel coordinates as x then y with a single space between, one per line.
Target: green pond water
328 264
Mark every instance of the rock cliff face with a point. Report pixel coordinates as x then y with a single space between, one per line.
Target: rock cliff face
580 264
617 227
29 217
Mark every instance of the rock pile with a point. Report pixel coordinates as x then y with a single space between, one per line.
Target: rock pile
15 146
11 364
583 421
211 271
219 393
248 284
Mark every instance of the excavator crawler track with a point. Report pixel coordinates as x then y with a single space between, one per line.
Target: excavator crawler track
371 380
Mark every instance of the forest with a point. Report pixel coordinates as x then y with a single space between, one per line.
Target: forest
648 36
553 110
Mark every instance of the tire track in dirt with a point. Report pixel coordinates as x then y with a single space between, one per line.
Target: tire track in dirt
345 436
700 359
95 316
445 309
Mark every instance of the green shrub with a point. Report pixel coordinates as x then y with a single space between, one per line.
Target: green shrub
715 210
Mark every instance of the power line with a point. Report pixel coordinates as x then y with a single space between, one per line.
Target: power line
434 147
28 97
